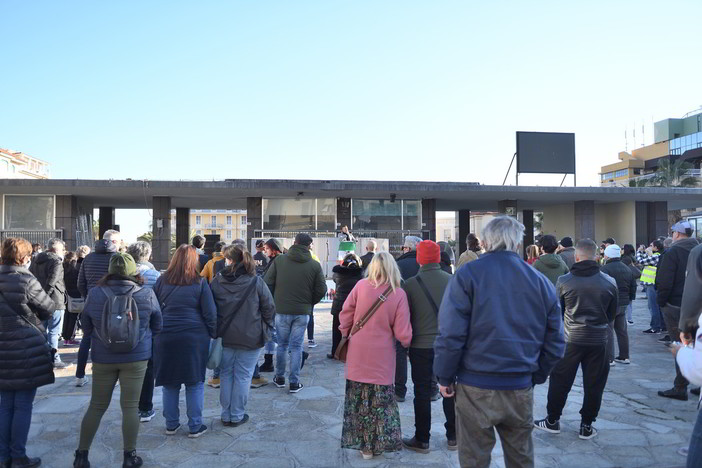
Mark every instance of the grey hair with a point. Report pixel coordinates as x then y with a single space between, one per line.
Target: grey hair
240 242
412 242
112 235
503 233
140 251
53 242
667 242
371 245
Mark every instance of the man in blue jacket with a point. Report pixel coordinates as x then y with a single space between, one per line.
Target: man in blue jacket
500 333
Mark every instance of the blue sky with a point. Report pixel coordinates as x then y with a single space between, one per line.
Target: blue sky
394 90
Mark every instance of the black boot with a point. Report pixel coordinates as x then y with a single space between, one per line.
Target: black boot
25 462
131 460
267 363
81 460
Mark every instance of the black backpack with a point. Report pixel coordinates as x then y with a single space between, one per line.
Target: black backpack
118 332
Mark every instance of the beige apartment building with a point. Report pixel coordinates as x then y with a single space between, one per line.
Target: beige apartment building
17 165
229 224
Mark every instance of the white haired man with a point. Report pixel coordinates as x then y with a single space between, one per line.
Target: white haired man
494 344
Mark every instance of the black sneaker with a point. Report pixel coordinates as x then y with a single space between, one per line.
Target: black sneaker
238 423
198 433
26 462
695 391
415 445
399 398
665 339
279 381
674 393
548 426
652 331
146 416
295 387
587 431
174 430
131 460
452 444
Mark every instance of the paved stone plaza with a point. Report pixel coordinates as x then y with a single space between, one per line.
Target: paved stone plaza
637 428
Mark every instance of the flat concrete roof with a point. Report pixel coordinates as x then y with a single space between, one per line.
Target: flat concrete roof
231 194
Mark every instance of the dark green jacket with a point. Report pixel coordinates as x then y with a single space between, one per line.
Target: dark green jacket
425 324
296 282
551 265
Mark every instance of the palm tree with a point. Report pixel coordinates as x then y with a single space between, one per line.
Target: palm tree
673 174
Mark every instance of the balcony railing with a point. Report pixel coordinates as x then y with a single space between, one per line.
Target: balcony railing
214 226
38 237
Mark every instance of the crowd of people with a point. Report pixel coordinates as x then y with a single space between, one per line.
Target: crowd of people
478 346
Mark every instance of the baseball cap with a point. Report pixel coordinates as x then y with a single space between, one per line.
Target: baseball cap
681 227
259 243
613 251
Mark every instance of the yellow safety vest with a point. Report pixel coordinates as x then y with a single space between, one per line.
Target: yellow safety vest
648 275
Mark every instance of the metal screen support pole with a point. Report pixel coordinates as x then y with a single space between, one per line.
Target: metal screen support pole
508 169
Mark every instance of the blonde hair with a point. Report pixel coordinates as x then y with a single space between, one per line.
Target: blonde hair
532 251
383 270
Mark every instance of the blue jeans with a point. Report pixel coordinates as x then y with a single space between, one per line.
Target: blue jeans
194 402
53 329
15 418
695 454
291 333
630 312
656 317
83 354
237 367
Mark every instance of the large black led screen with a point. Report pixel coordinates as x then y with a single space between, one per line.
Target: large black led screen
546 152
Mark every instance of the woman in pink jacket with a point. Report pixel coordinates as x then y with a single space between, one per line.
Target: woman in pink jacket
371 417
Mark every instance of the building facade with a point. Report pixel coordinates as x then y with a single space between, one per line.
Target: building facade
677 139
228 224
17 165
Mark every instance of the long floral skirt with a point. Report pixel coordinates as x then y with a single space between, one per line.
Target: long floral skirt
371 418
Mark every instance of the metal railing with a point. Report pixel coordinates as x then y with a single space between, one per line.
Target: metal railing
637 179
395 238
38 237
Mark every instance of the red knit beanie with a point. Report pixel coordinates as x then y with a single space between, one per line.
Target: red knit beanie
428 252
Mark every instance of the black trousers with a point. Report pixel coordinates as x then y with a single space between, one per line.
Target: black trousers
422 361
400 370
69 325
336 334
595 364
147 388
671 315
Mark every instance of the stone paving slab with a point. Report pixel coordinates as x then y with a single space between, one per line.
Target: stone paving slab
637 428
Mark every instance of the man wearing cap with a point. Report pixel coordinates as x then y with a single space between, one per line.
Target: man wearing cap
297 283
260 258
424 293
567 251
670 283
626 284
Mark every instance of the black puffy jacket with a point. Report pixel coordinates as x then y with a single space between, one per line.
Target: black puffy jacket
622 274
345 279
25 356
670 276
95 266
47 267
589 300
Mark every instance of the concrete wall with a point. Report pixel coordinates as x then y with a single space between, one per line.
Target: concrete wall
617 220
656 150
559 220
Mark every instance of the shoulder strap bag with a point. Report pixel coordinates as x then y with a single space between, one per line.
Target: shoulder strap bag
215 355
342 349
23 317
426 293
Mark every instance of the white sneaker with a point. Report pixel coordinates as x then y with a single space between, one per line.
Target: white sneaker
622 361
82 382
311 344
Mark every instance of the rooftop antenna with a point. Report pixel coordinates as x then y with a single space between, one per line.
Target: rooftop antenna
626 140
643 136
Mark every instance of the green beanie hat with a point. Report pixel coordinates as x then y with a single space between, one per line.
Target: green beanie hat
122 264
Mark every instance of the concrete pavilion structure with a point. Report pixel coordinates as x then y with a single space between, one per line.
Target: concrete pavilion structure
371 208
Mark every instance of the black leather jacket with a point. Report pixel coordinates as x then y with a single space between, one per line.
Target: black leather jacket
589 302
48 269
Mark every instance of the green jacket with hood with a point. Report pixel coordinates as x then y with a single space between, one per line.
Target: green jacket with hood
552 266
425 321
296 282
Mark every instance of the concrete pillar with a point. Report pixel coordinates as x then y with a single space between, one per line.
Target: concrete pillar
343 212
463 229
106 220
507 207
429 218
182 226
528 221
254 218
584 217
657 220
161 242
67 219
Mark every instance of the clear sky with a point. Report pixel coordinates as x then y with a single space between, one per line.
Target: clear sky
384 90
